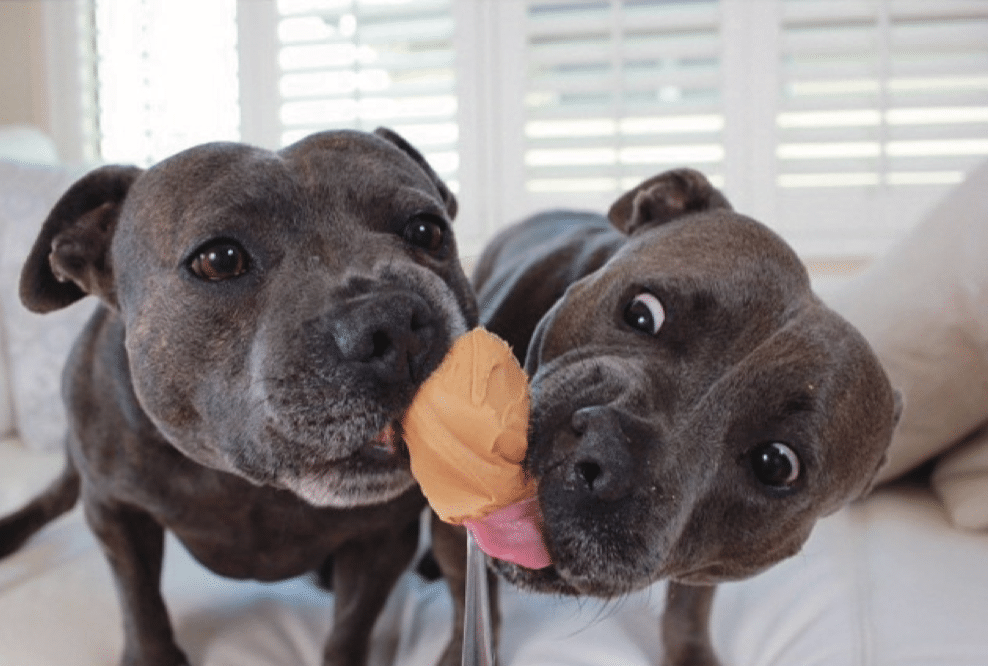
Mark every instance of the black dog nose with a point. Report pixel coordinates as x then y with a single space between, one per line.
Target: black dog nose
603 466
388 334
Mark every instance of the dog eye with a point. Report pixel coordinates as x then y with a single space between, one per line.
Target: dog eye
645 313
776 465
425 231
223 260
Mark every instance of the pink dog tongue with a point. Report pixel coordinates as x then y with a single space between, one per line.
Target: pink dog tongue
513 533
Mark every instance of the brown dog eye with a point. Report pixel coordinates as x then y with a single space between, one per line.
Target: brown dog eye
220 261
776 465
425 231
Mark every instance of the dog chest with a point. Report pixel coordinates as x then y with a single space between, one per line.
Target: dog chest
269 534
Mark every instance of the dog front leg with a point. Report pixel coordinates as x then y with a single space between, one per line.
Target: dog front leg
134 543
686 626
449 547
364 573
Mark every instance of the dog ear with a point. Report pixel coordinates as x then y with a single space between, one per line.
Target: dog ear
663 198
393 137
71 256
898 404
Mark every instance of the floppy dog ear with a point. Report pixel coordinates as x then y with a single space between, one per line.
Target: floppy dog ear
663 198
70 257
898 404
447 196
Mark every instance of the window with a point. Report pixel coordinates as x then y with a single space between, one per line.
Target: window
837 123
164 82
881 106
365 63
616 93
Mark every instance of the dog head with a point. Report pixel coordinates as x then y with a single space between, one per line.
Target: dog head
695 408
280 308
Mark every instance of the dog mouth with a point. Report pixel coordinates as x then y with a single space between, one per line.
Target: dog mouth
546 580
508 565
562 580
384 451
598 548
568 578
375 472
386 447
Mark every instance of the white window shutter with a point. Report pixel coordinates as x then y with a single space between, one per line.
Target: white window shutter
883 105
835 122
157 93
615 92
361 64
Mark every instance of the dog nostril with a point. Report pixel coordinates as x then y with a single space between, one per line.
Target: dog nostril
381 344
589 472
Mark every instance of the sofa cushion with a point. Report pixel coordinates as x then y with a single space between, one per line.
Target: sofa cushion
36 345
924 308
21 143
6 399
28 144
961 480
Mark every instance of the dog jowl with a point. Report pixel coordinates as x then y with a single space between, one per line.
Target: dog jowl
266 318
695 407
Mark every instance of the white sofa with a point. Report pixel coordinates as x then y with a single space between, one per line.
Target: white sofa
890 581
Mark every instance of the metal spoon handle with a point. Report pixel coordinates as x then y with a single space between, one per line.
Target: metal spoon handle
478 643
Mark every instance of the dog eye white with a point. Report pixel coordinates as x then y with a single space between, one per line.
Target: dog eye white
776 465
645 313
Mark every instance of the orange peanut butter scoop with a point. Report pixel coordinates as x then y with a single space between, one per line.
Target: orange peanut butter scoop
466 433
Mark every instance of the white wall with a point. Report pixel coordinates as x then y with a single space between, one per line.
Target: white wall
41 77
23 75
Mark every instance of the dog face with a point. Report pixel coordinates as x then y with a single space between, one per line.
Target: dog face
695 408
311 290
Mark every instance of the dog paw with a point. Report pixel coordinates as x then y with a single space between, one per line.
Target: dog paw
692 656
450 658
164 657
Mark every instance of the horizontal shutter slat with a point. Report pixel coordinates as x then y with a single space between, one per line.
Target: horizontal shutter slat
636 84
394 65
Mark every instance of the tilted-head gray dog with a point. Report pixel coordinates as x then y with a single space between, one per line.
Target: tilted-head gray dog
695 408
266 319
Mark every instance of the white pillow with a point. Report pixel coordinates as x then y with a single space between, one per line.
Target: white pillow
24 143
37 345
6 400
924 308
21 143
961 480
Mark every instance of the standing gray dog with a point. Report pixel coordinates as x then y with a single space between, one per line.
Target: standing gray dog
695 408
266 319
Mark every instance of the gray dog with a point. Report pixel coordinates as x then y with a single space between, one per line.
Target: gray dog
695 408
266 320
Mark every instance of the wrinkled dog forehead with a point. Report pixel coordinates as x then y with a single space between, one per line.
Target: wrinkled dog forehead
325 179
216 182
713 245
723 283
